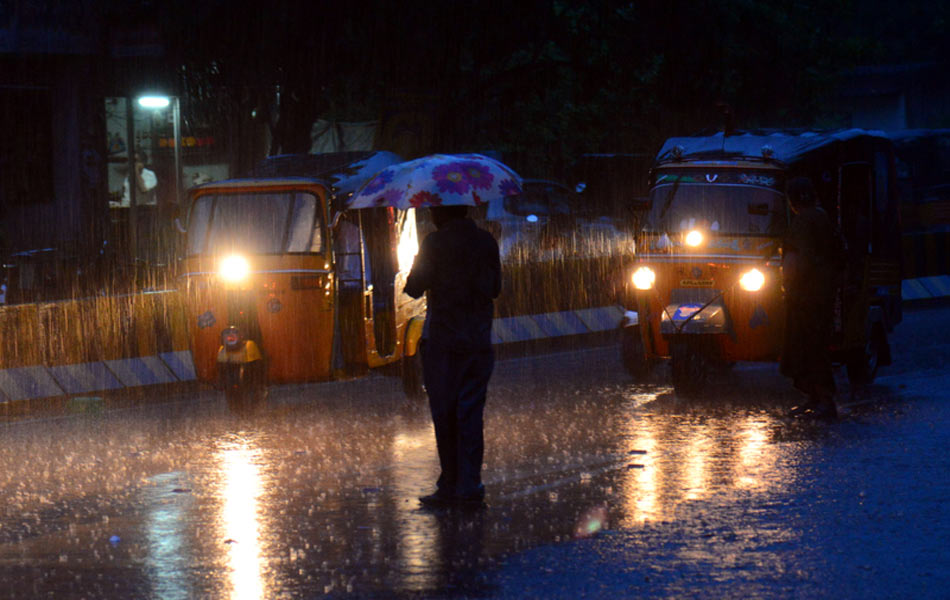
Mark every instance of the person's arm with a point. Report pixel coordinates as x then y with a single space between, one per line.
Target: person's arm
488 282
791 268
795 248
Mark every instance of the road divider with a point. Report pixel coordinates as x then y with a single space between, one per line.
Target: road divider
25 383
85 377
141 371
926 288
112 343
524 328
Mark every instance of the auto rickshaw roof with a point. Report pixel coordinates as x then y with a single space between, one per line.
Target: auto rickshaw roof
344 171
251 182
775 145
341 172
911 135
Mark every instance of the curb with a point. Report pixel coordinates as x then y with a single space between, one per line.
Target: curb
37 382
524 328
925 288
164 368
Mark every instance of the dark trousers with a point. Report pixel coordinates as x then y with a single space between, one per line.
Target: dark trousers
806 357
456 383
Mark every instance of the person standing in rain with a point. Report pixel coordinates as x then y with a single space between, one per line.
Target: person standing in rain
811 257
459 268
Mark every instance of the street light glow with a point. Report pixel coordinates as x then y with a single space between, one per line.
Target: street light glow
154 101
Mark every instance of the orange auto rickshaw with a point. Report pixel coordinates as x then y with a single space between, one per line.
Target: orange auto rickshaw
705 288
283 284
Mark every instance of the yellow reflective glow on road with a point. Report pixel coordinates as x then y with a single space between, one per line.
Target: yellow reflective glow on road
693 458
415 468
242 486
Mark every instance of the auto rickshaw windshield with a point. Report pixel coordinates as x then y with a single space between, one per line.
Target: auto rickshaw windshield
255 223
721 208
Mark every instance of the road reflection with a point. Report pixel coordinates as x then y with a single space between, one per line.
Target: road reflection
242 484
689 455
414 471
318 494
757 456
640 489
169 554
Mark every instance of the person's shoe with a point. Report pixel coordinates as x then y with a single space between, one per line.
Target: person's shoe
818 410
803 409
437 500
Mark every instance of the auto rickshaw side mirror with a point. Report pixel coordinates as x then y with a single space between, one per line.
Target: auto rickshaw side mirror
180 226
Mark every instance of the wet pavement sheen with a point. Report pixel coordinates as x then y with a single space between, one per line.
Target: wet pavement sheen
597 487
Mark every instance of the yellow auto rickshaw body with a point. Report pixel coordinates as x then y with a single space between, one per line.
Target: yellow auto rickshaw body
706 286
267 277
692 288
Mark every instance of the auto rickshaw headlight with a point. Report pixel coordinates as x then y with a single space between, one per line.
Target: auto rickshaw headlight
644 278
752 280
234 268
694 238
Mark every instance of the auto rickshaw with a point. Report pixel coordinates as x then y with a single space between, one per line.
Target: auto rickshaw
706 283
282 284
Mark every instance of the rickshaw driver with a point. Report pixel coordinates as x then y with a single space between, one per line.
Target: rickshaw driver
810 268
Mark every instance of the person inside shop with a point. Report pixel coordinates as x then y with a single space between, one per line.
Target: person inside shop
145 185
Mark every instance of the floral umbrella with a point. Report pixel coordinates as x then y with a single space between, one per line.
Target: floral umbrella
438 180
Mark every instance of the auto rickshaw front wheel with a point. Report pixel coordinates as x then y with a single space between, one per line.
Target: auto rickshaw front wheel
633 354
862 363
689 360
412 382
245 386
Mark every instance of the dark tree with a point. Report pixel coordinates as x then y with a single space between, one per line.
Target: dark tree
541 81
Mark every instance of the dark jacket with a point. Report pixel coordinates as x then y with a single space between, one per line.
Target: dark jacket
459 267
812 256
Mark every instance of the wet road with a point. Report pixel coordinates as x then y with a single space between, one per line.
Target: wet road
596 486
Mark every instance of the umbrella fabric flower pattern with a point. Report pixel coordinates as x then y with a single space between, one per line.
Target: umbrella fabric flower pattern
379 182
452 178
389 197
424 198
509 187
478 175
437 180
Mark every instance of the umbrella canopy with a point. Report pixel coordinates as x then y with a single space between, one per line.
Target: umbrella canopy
438 180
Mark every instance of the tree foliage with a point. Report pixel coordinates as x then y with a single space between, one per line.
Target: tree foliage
540 80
